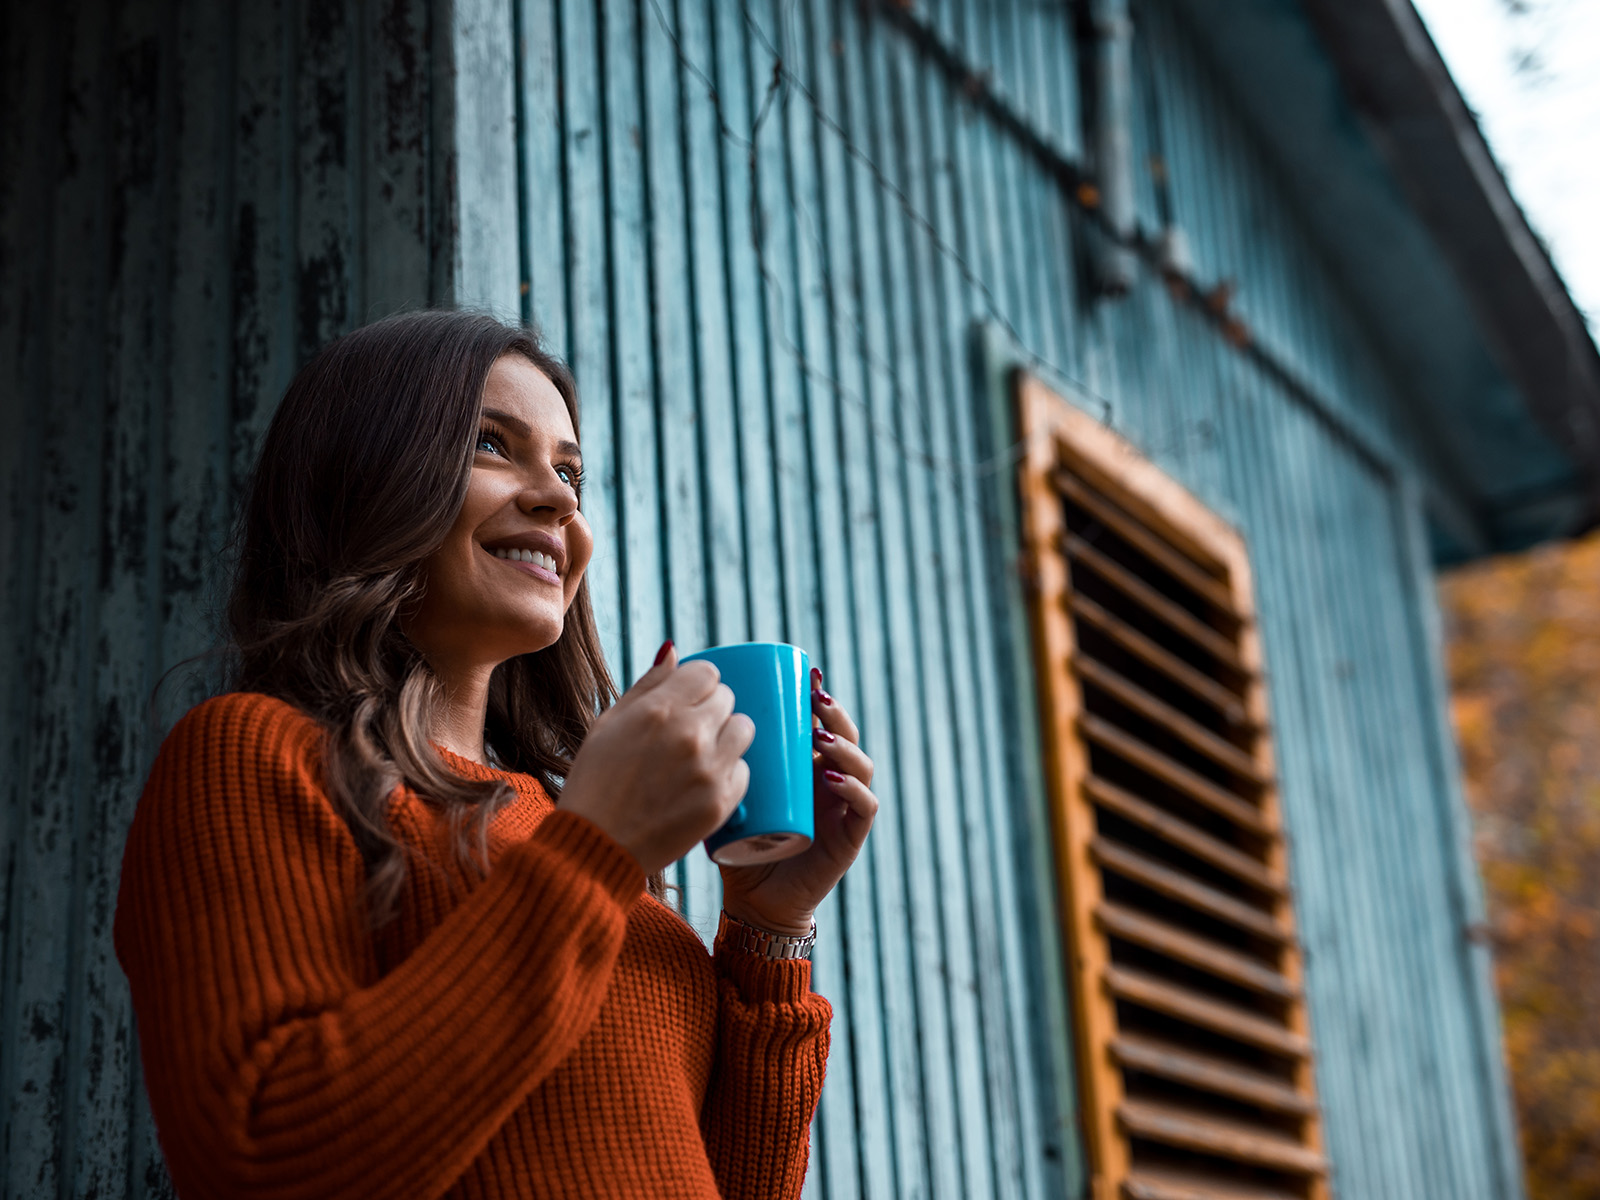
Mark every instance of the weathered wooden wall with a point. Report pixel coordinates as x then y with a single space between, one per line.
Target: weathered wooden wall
195 195
764 234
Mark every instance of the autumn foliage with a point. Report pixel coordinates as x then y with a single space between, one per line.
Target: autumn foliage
1524 647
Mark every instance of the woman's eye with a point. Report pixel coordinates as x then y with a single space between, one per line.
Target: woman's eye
488 443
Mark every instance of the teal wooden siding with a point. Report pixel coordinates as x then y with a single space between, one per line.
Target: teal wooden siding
792 252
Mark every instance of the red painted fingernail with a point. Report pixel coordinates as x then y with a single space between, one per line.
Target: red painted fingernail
816 677
822 735
834 777
661 654
822 696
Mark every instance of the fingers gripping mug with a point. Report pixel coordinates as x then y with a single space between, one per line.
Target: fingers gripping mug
770 682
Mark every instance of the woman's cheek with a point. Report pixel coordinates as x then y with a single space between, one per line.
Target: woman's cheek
580 547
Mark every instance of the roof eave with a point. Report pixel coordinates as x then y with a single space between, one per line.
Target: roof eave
1399 84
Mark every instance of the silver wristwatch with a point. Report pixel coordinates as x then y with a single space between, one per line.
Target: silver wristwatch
751 940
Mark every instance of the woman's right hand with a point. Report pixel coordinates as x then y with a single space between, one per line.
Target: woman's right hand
662 768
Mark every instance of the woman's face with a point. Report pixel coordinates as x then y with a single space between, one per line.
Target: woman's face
485 601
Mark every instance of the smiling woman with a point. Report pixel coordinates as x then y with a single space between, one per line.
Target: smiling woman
392 909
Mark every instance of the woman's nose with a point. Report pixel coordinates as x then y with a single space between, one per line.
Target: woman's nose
552 492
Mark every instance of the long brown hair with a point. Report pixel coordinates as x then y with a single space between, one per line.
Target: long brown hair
362 473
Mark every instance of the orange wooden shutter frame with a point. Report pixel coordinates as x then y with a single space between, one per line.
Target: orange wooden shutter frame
1138 1148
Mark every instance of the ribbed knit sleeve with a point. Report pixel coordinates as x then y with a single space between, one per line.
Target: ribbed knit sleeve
772 1049
277 1061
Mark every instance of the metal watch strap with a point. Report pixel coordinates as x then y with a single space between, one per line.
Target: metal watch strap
776 946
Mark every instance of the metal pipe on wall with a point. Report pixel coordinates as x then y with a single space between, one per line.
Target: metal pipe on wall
1111 143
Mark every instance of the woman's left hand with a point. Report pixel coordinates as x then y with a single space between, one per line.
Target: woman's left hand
781 897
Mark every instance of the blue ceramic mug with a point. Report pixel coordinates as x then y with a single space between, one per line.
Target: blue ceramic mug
770 682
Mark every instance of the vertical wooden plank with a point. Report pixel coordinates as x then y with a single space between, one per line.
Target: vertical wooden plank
1143 129
1327 829
99 1046
391 139
915 633
746 99
1285 614
1452 1127
46 902
677 384
776 259
810 129
478 77
1502 1171
1065 78
326 252
1196 345
703 115
589 312
854 637
264 348
195 514
31 53
634 435
785 249
974 228
1037 983
1247 246
1009 1125
888 678
720 542
1326 847
36 49
1044 103
543 225
1003 65
1428 1009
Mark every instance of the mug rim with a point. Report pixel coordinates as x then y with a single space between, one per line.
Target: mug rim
745 646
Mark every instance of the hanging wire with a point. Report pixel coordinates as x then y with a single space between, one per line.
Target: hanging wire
782 83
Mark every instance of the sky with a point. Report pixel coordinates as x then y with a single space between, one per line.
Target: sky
1530 70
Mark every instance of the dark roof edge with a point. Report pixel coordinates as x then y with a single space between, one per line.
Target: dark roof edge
1400 85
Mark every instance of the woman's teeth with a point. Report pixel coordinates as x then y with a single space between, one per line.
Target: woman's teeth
546 561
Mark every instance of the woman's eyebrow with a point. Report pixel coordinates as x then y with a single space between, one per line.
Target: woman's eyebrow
523 430
516 425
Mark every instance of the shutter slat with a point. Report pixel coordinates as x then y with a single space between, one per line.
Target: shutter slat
1241 812
1177 564
1236 1023
1161 878
1205 1073
1169 664
1198 952
1186 1185
1224 753
1179 1127
1184 836
1174 614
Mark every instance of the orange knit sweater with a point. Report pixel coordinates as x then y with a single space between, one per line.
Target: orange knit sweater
551 1030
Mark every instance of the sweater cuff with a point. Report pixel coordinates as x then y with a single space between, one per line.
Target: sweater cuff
763 980
593 852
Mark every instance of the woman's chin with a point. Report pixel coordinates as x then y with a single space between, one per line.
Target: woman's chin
537 636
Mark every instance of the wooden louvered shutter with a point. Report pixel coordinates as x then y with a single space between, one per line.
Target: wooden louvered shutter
1195 1061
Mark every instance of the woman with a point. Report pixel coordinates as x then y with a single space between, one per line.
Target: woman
392 910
